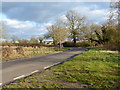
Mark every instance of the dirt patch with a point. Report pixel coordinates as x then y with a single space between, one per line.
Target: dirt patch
115 52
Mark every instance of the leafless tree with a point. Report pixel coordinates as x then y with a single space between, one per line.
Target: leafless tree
33 40
74 24
14 39
40 39
58 32
3 31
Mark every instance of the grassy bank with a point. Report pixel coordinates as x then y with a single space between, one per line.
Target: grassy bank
30 52
92 69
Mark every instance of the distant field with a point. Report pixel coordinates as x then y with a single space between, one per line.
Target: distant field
92 69
28 52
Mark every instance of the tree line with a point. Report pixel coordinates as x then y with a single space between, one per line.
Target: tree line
76 28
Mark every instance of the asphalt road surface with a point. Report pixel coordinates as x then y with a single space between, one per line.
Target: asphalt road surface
17 69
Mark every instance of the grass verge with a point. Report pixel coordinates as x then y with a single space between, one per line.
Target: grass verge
30 52
92 69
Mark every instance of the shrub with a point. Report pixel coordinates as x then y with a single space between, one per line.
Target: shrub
83 44
68 44
6 52
20 50
112 46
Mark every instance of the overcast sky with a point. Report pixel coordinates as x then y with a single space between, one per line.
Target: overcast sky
26 19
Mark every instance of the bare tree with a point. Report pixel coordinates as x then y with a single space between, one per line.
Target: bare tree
41 38
114 11
74 24
23 41
96 34
14 39
92 32
3 31
58 32
33 40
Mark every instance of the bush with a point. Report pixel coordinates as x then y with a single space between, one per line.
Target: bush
20 50
68 44
6 52
83 44
112 46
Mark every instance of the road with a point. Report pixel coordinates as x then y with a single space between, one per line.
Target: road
17 69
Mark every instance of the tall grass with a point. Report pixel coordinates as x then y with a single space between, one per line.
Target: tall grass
23 52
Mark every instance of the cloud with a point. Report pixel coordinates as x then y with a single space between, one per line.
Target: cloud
26 19
43 11
93 13
38 12
17 24
99 15
23 29
47 24
63 17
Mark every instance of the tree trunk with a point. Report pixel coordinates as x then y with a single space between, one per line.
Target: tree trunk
74 40
60 44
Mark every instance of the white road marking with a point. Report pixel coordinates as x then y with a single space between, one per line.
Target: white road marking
19 77
25 75
51 65
48 66
0 84
34 71
57 63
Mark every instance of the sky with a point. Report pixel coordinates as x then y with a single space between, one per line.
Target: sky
30 19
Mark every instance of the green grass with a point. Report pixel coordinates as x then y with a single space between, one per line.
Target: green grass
92 69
